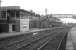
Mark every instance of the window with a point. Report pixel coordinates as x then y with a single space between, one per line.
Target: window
3 15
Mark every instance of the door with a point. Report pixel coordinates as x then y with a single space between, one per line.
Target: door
13 27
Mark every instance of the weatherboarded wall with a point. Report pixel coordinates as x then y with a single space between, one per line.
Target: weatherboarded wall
24 25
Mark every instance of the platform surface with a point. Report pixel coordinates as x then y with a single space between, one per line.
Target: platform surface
71 39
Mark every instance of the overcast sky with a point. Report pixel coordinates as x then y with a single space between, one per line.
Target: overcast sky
53 6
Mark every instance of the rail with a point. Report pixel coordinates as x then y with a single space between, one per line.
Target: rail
62 45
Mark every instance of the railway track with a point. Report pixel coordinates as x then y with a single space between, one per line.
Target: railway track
53 44
26 41
36 42
10 40
37 45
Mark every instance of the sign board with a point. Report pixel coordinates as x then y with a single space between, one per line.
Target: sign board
24 25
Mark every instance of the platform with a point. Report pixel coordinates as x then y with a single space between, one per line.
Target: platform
71 39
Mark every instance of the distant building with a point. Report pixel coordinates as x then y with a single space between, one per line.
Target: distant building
63 15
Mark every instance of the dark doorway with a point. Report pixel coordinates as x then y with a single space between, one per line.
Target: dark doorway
13 27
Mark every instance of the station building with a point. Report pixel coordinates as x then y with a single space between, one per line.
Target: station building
14 19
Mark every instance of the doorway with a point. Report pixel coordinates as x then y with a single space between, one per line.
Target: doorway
13 27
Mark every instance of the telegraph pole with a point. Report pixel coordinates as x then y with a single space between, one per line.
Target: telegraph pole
0 3
0 8
45 11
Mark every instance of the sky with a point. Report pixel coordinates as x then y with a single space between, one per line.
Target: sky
39 6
